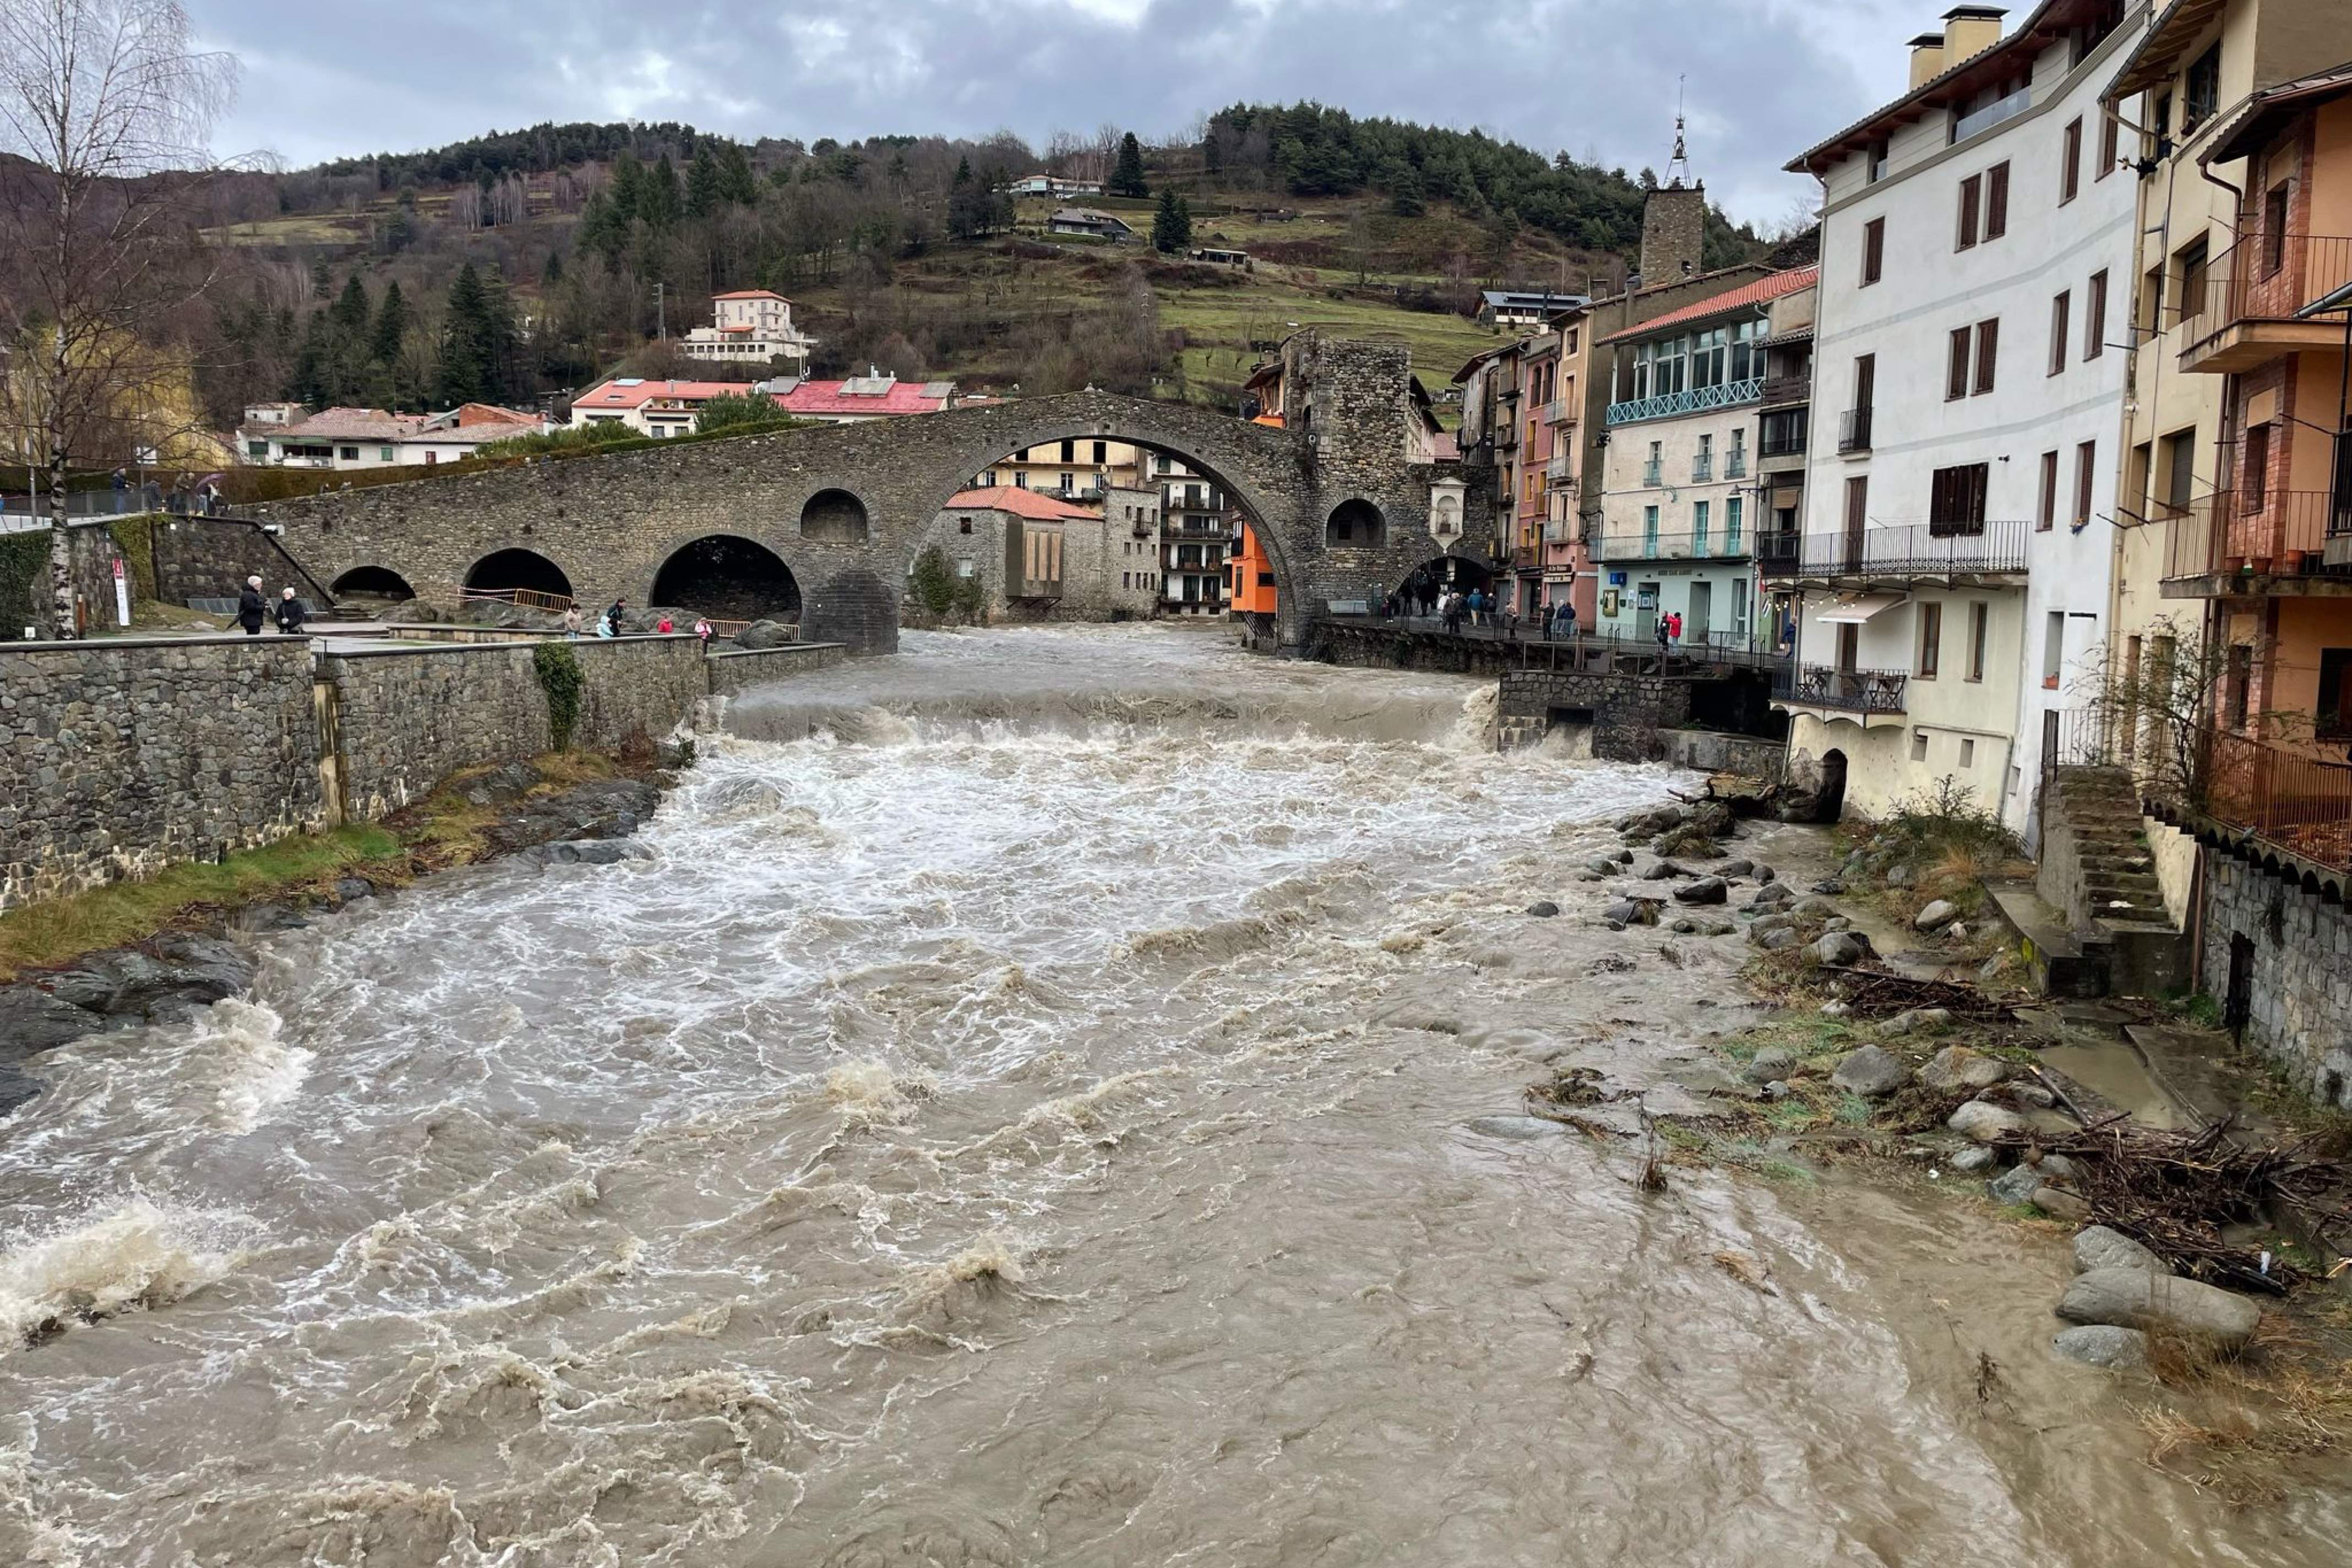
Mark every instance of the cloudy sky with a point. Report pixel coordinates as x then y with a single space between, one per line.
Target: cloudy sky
1764 79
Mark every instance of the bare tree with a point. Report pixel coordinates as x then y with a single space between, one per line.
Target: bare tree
111 111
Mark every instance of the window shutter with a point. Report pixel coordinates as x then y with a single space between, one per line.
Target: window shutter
1969 191
1996 223
1988 353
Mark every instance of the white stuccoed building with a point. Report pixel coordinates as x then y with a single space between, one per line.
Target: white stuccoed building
1950 582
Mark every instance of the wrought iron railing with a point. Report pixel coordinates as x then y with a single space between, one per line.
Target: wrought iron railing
2281 533
1735 464
1724 394
2294 801
2264 277
1913 550
1559 465
1780 391
1703 469
1695 545
1651 476
1849 690
1854 430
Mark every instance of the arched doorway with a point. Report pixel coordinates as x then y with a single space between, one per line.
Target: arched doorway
1356 525
835 517
1426 583
1829 801
524 575
728 579
372 583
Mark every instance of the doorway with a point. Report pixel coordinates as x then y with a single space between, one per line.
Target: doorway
1702 597
1829 804
2237 1002
1645 612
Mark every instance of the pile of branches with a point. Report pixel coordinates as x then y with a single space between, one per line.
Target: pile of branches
1882 993
2176 1192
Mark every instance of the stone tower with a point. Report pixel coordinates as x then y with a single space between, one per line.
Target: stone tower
1674 221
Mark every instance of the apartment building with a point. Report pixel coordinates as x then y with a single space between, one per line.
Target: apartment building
1081 468
1196 531
1676 535
749 325
345 438
1949 585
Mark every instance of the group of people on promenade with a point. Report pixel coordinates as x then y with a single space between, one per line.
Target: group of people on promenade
615 619
253 609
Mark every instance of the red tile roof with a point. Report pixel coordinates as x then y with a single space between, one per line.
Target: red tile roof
630 393
1019 502
832 398
1756 293
751 294
470 413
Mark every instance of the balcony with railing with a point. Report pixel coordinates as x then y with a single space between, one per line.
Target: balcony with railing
2233 543
1559 466
1914 550
1633 544
1782 391
1696 400
1998 111
1558 411
1703 469
1652 476
2275 798
2243 314
1864 691
1854 430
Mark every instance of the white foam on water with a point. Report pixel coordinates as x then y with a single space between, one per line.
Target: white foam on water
140 1254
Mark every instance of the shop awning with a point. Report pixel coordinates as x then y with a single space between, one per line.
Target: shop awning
1853 609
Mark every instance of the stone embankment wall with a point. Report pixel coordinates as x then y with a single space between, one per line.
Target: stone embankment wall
117 758
2298 990
1626 711
405 719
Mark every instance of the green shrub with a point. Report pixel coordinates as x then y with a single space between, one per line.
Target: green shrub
559 676
137 544
933 581
24 574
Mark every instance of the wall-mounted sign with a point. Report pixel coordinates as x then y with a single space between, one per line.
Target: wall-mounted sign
1616 579
1609 599
1646 597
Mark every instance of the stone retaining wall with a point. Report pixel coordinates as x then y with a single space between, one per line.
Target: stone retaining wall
124 756
407 718
732 671
1627 712
120 757
2299 990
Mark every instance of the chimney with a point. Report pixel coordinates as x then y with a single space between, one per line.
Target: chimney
1970 31
1926 60
1674 230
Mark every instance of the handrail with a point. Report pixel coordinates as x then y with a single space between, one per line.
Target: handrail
2291 800
2281 533
1850 691
1919 549
2264 277
1693 400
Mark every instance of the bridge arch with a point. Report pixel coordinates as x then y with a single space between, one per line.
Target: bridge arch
729 578
510 571
371 581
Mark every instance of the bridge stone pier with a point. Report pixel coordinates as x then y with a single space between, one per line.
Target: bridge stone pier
1343 510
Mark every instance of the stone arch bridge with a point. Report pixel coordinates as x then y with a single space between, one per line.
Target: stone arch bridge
1342 510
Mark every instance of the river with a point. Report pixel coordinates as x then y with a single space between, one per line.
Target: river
1025 1109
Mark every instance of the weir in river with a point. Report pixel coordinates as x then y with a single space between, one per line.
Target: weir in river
1050 1097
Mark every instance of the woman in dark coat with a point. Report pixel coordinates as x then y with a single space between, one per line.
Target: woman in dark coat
250 607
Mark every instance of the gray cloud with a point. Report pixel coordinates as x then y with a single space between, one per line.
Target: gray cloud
1762 79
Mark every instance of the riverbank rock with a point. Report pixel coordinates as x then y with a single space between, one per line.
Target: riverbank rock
1771 1063
1658 870
1731 868
1543 909
764 635
1779 941
32 1020
2060 1203
1956 1068
1706 891
2015 1185
1602 865
181 975
2135 1298
2105 1346
1829 887
1938 914
2100 1247
1986 1123
1516 1127
1871 1073
1899 877
1838 947
1974 1157
601 808
1917 1020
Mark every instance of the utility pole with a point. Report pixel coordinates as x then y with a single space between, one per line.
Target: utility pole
661 319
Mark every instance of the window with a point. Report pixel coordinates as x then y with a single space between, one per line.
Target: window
1699 527
1878 153
348 453
2070 163
2045 513
1971 198
1968 753
2053 648
2274 215
2179 468
1988 352
2160 123
1955 501
2086 464
1979 614
1996 214
1731 510
1931 639
1956 374
1649 531
1102 451
383 455
2241 687
963 525
1069 451
2094 317
2254 476
2332 720
2109 153
2202 95
2060 337
1873 251
2190 266
2152 300
1918 745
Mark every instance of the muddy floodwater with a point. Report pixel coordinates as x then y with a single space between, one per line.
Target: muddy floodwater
1043 1100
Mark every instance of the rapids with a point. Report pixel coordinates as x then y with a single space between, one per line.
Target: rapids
1022 1113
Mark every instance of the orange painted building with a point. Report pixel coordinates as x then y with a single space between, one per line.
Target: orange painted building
1249 577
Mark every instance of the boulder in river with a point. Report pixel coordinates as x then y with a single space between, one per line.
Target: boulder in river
1543 909
2103 1345
2015 1185
1958 1069
1838 947
1706 891
764 635
1659 869
1986 1123
1871 1073
1777 940
1771 1063
2096 1246
2135 1298
1936 916
32 1020
1518 1128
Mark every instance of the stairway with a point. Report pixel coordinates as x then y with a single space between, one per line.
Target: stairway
2098 871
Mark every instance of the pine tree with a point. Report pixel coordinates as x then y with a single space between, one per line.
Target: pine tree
705 185
737 181
625 194
391 328
660 203
1127 179
350 313
463 368
968 205
1172 225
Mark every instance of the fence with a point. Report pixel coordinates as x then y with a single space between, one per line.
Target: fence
1847 690
2291 800
1610 650
2266 278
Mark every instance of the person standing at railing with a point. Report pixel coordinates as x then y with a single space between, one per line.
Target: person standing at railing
612 617
572 621
702 632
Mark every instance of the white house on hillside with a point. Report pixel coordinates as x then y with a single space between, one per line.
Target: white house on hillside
751 324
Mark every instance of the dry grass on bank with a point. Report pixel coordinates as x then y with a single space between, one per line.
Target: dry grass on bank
2248 1428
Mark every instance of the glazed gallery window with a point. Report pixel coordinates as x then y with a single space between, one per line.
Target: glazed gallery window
1718 357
